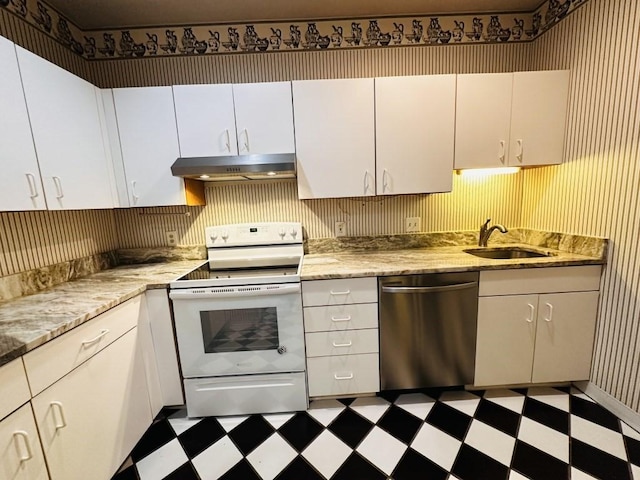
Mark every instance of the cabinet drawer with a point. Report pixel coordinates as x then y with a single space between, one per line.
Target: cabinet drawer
539 280
340 291
340 317
55 359
15 389
344 374
345 342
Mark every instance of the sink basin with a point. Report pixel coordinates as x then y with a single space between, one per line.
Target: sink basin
503 253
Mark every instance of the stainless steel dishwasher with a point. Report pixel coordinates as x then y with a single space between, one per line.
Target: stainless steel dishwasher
428 330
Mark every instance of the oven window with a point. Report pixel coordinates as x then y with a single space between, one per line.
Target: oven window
240 330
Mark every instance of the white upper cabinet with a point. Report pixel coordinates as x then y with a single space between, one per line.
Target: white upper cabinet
149 143
538 117
264 117
20 185
415 122
252 118
483 120
206 120
335 137
67 132
511 119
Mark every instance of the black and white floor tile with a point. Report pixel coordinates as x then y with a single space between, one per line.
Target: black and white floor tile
538 434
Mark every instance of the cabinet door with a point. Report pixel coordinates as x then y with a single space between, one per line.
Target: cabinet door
206 121
20 452
335 137
564 339
538 117
67 132
483 119
415 121
90 419
264 117
506 336
20 185
149 142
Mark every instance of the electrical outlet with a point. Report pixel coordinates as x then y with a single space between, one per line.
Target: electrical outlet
412 224
172 238
341 229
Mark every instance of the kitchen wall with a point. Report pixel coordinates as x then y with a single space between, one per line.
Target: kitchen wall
595 192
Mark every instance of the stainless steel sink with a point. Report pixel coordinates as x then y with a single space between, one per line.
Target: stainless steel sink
505 253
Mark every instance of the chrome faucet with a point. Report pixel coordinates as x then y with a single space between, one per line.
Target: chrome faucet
485 232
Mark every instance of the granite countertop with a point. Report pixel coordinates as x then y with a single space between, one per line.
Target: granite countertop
28 322
428 260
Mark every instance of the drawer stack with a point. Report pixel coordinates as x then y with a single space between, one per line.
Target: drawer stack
341 334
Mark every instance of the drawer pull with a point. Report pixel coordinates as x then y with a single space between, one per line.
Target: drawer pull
531 312
346 292
102 333
25 438
345 377
63 421
550 317
341 319
337 345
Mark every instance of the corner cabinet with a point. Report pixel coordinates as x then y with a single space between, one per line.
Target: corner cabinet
224 119
341 336
415 122
20 183
149 144
335 137
68 135
536 325
511 119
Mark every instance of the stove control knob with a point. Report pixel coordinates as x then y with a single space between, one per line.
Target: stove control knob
213 237
282 349
294 232
225 235
282 233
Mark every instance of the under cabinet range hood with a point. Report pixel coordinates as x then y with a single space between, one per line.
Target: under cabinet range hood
239 167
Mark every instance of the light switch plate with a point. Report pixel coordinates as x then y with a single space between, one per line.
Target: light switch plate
341 229
412 224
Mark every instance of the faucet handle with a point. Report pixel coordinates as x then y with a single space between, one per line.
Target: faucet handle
486 224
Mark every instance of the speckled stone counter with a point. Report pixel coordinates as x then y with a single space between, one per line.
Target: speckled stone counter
370 263
28 322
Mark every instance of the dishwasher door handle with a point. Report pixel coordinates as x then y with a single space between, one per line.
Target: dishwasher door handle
441 288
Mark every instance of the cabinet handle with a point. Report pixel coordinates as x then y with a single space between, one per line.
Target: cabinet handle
366 181
502 153
520 150
550 317
31 180
228 144
532 310
384 180
345 377
58 183
341 319
25 438
346 292
246 139
338 345
63 421
133 192
102 333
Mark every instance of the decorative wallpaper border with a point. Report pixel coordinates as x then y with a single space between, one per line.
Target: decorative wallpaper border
291 36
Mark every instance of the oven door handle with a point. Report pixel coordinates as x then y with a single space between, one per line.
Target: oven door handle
234 292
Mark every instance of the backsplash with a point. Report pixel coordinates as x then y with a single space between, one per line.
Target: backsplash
465 208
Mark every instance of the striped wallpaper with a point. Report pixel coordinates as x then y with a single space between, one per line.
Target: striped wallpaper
465 208
595 192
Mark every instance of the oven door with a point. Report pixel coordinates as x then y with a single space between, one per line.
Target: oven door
238 330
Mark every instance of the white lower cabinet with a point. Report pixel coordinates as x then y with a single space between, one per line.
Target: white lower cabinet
90 419
341 336
533 336
20 451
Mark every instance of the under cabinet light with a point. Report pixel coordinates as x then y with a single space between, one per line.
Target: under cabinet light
486 172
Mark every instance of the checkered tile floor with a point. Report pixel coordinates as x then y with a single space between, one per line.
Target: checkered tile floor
539 434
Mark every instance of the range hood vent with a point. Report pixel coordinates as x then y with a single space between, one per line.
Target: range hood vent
242 167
